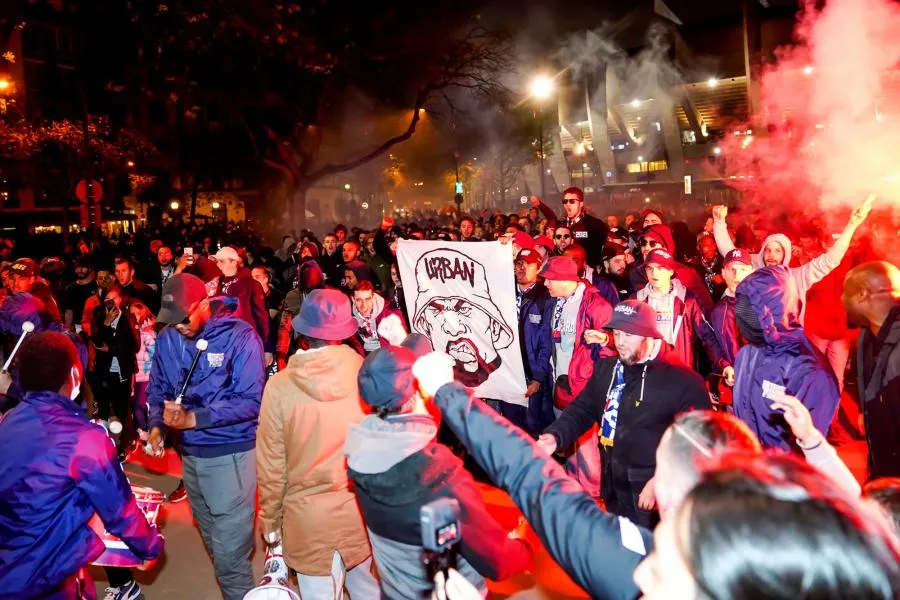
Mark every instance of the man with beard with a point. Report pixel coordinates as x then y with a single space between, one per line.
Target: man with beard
872 298
634 397
236 281
469 327
615 263
78 292
162 270
776 250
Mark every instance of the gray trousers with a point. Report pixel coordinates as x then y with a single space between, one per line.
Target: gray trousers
222 494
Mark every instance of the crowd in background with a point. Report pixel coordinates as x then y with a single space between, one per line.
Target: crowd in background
649 346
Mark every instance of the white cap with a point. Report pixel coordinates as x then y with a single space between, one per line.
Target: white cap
227 252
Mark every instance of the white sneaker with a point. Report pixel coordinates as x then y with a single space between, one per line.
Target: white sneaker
129 591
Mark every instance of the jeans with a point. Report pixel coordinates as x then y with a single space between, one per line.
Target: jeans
359 582
141 409
583 465
222 495
837 353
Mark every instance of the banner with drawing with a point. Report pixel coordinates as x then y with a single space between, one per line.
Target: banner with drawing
461 295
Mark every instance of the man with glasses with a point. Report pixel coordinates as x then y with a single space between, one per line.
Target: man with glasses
562 239
218 415
588 231
659 237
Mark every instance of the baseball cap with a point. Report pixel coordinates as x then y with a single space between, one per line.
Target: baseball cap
227 252
739 256
636 318
610 251
180 292
529 256
24 267
660 258
385 378
561 268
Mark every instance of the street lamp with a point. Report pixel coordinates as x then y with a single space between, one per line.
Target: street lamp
4 84
174 205
541 89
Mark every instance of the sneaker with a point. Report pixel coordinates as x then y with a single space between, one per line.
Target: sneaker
129 591
179 495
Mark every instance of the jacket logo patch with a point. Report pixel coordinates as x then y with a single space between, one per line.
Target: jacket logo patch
536 319
581 234
216 359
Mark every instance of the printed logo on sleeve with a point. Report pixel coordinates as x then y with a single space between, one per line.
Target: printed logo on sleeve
216 359
772 391
536 319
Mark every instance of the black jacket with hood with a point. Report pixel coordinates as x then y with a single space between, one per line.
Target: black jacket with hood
397 468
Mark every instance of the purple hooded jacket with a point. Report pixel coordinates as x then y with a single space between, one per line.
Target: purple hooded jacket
786 360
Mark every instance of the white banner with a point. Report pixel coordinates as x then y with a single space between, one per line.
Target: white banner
461 295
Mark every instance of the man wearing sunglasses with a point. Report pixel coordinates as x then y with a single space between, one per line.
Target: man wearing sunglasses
562 239
587 231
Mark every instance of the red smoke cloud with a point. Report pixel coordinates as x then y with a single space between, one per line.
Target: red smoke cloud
827 131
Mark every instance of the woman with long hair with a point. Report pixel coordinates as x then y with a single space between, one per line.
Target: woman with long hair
146 325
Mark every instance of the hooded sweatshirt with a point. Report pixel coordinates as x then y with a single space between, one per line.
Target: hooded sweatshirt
303 488
803 277
368 326
778 359
397 468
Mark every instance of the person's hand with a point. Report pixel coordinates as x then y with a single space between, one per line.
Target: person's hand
176 417
547 443
154 446
647 497
433 371
392 330
728 376
592 336
5 381
719 212
535 201
799 420
270 358
111 315
862 211
533 388
718 279
455 587
181 264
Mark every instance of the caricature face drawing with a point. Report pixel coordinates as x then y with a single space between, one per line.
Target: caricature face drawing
455 310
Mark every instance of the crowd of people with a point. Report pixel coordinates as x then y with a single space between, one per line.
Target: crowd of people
683 393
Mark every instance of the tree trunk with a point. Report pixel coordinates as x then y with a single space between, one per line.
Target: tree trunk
195 188
298 206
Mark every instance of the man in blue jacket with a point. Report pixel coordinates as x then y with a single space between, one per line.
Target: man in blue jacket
535 308
778 359
218 416
58 470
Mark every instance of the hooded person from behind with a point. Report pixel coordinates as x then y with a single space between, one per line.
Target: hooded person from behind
398 467
778 359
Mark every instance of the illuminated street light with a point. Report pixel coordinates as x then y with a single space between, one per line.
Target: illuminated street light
541 87
640 159
174 205
130 163
717 150
635 103
4 84
216 205
712 82
346 186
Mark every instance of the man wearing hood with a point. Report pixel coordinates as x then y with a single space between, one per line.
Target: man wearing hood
778 359
398 467
218 414
679 318
304 499
776 250
660 237
369 310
